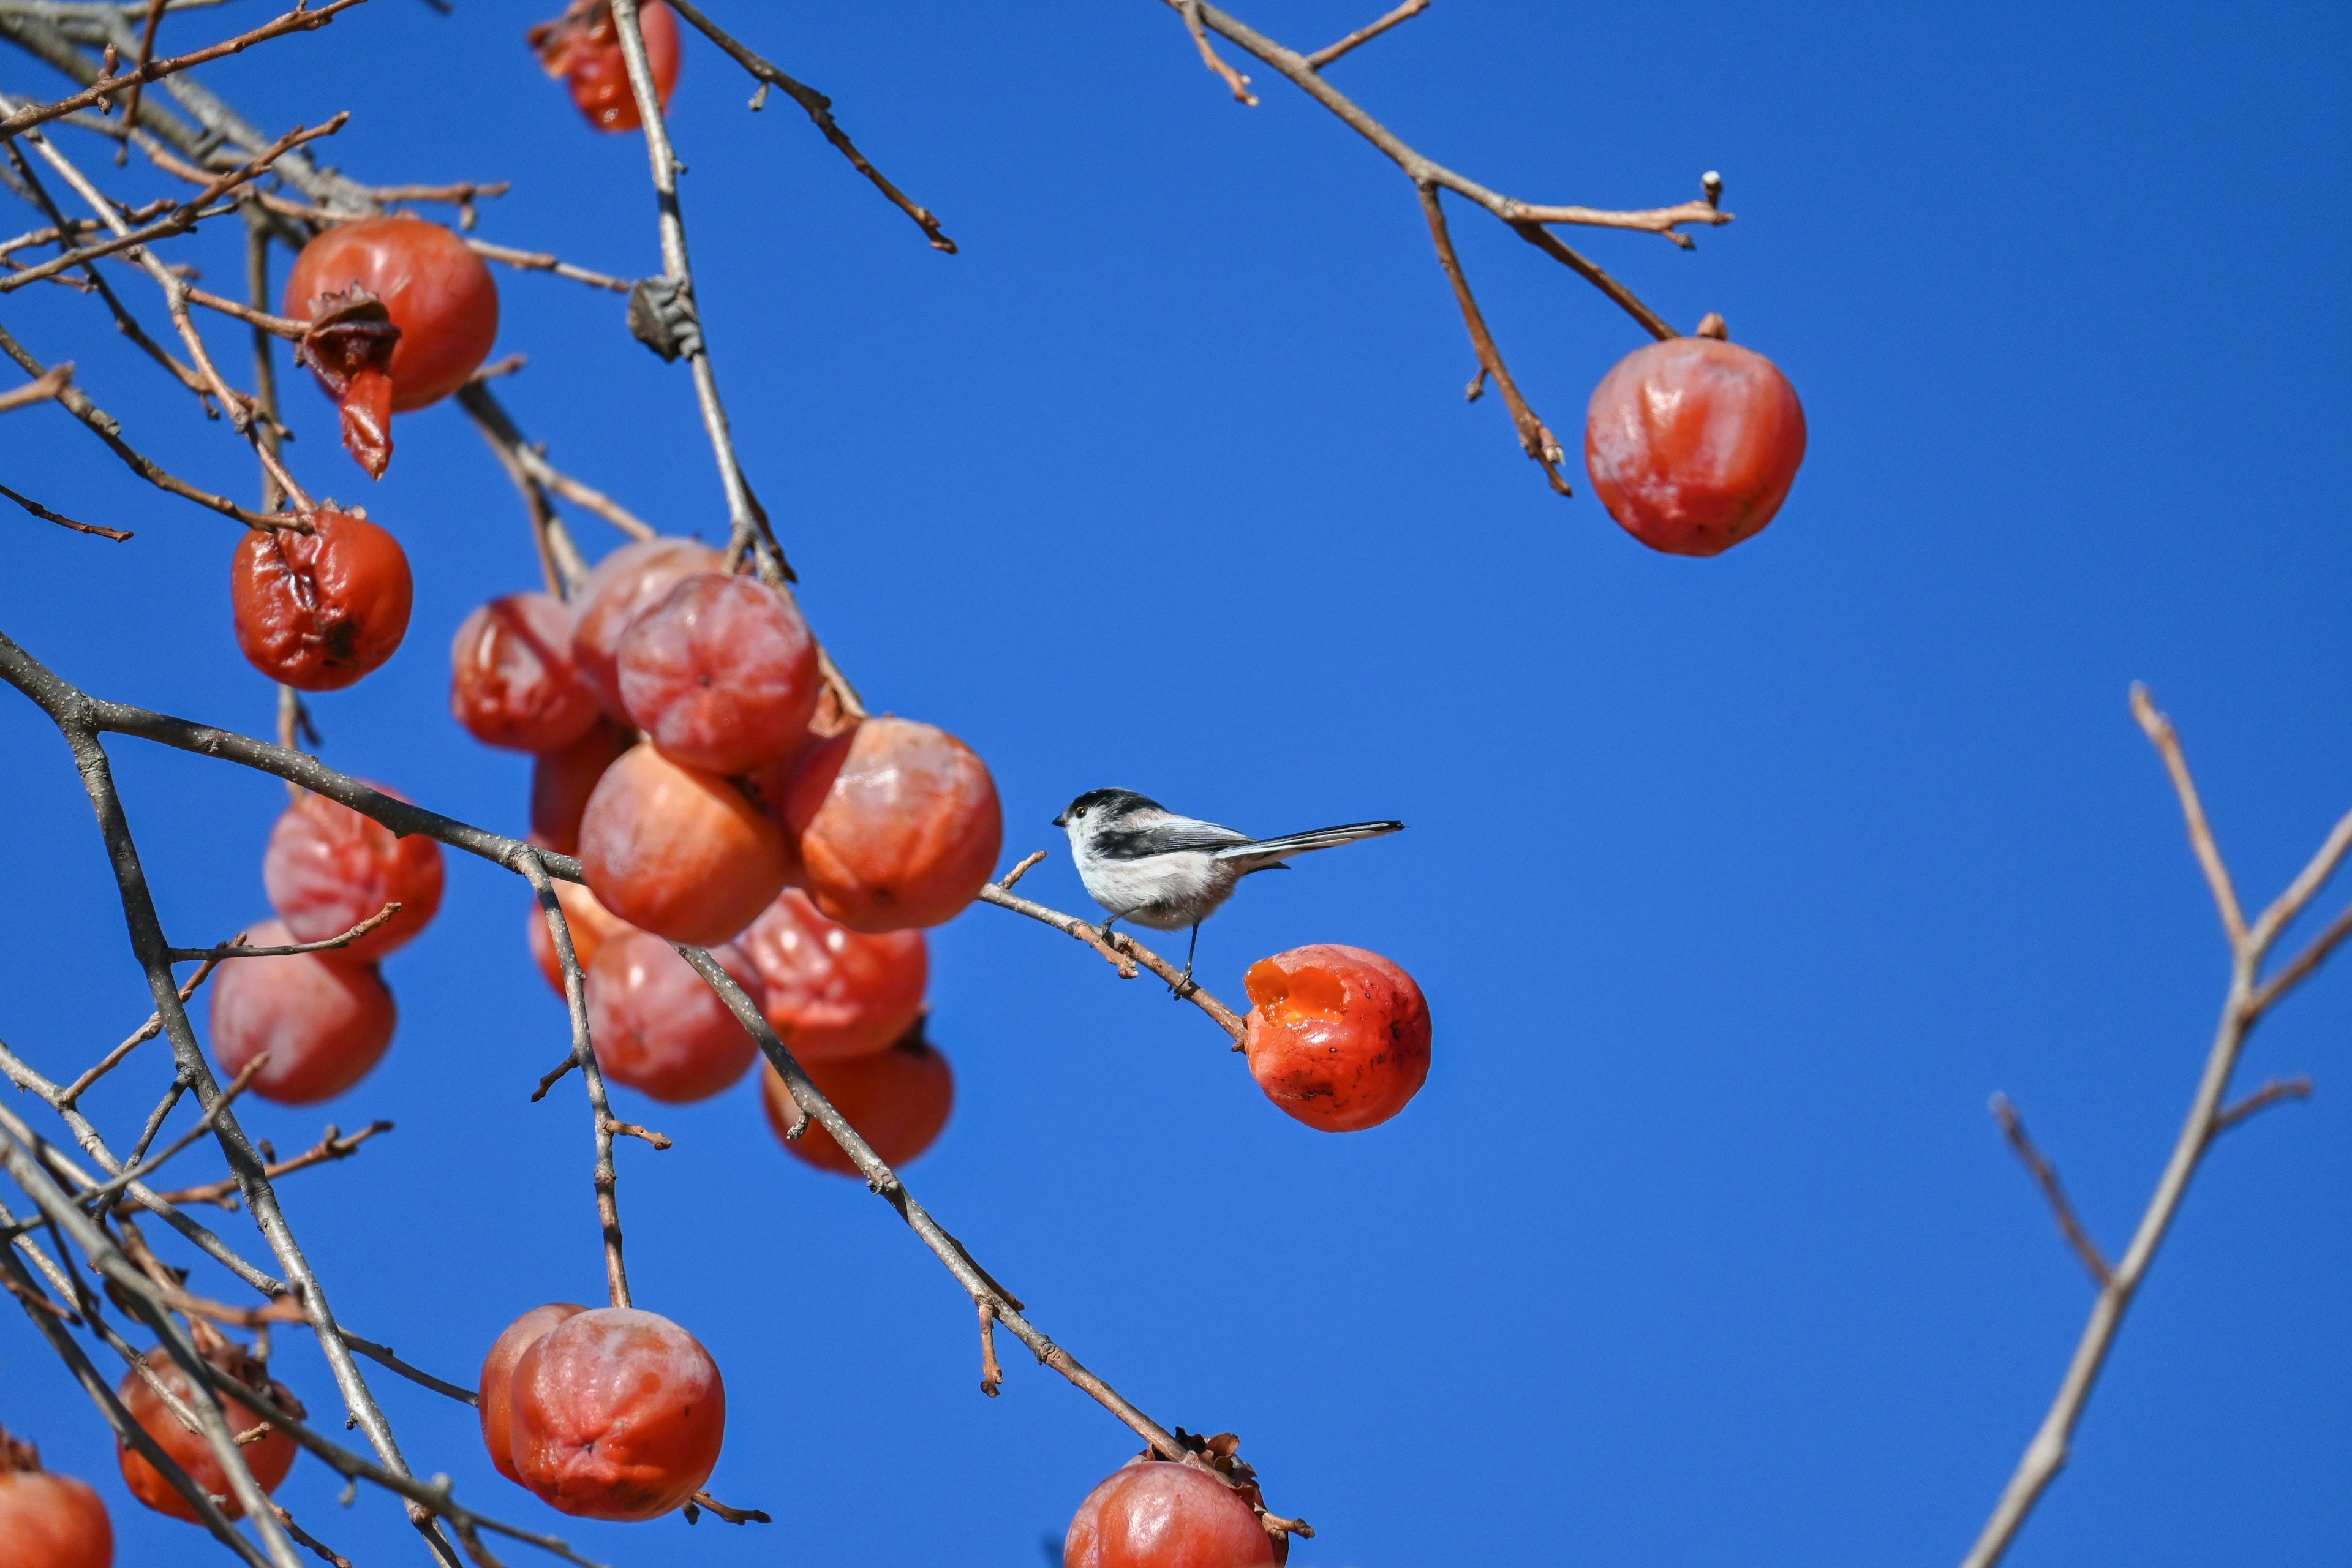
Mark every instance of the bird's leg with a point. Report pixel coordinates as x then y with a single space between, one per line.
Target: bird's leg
1184 987
1104 930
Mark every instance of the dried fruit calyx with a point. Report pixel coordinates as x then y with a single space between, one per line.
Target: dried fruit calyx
350 345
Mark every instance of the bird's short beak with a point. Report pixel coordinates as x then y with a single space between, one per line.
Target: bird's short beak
1062 820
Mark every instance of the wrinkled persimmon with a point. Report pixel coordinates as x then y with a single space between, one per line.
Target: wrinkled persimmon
897 824
834 993
616 1413
511 682
592 926
1162 1514
320 610
435 291
897 1099
268 1457
658 1027
50 1520
721 674
327 869
1337 1037
1693 444
495 1392
324 1020
583 46
625 585
563 780
679 852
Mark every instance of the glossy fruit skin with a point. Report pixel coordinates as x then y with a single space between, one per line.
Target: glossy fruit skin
320 610
1157 1514
561 781
511 682
1693 444
52 1521
496 1389
897 824
832 993
327 869
593 925
721 674
617 1414
268 1457
325 1021
439 294
679 852
1337 1037
657 1025
591 59
625 585
899 1099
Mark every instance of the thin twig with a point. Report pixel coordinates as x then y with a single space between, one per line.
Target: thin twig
37 510
539 261
42 389
992 1376
2262 1099
335 1145
2045 1175
2167 742
1329 52
238 950
1536 438
1123 952
298 20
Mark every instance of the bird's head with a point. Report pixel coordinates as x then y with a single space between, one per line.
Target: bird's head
1097 806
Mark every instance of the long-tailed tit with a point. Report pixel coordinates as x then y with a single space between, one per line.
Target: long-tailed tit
1144 863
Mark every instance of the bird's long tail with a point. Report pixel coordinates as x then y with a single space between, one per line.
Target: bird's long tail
1267 851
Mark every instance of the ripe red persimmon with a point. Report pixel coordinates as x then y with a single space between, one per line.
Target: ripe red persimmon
657 1025
834 993
438 292
511 682
897 1099
496 1391
897 824
593 925
325 1021
1159 1514
268 1457
319 610
584 46
625 584
679 852
1337 1037
50 1522
327 869
721 674
561 781
1693 444
616 1413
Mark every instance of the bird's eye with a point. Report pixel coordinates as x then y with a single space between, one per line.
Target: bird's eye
1080 812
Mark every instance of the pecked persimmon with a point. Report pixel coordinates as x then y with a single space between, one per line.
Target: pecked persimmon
437 291
679 852
563 780
584 46
325 1020
897 824
1337 1037
834 993
616 1413
320 610
1157 1513
657 1025
268 1457
511 682
496 1390
50 1520
625 584
1693 444
721 674
897 1099
327 869
593 925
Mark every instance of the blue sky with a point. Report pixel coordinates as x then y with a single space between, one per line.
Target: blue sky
1736 886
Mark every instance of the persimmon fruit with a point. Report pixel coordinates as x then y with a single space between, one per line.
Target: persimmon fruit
583 46
679 852
832 993
320 610
50 1520
625 584
591 925
324 1020
897 1099
327 869
658 1027
1693 444
268 1457
897 823
616 1413
563 780
496 1391
1337 1037
511 681
1158 1513
721 674
435 289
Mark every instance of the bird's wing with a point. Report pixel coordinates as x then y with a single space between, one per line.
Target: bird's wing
1172 836
1299 843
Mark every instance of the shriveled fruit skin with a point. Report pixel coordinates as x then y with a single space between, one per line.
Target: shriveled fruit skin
679 852
591 59
625 585
592 924
658 1027
439 293
1337 1037
319 611
496 1390
561 781
511 682
897 824
617 1414
721 674
832 993
52 1521
268 1457
1693 444
327 869
897 1099
1158 1514
325 1021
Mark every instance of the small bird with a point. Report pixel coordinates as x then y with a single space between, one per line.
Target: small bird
1144 862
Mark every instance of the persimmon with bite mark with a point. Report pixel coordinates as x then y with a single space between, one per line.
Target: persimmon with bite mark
721 674
616 1413
1337 1037
832 993
327 869
897 1099
511 682
679 852
320 610
1157 1513
268 1457
324 1020
496 1390
897 824
659 1028
50 1520
1693 444
625 585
